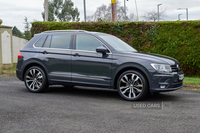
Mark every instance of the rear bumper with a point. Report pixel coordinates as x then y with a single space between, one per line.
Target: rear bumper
19 75
166 82
19 69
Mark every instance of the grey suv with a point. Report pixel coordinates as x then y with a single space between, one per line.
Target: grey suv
76 57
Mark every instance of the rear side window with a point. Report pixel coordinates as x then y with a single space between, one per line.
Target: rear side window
40 42
61 41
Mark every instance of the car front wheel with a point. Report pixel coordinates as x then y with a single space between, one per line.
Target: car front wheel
132 85
35 79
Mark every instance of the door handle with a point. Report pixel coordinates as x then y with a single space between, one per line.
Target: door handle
76 54
45 52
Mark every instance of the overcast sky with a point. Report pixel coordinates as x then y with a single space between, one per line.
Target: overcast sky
12 12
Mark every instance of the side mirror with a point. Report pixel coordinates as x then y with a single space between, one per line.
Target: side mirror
101 49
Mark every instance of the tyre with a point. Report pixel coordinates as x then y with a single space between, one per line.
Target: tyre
35 80
132 85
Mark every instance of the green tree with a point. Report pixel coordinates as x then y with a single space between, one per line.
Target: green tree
27 33
17 32
60 10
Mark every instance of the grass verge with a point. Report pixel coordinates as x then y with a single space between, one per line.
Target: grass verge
13 69
191 80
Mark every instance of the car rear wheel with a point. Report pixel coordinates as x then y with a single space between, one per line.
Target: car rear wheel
35 79
132 85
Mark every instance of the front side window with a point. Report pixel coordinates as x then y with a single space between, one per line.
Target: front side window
61 41
40 42
87 43
117 43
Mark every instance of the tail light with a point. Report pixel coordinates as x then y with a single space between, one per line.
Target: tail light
20 55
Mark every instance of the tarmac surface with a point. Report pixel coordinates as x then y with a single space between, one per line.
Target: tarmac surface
61 110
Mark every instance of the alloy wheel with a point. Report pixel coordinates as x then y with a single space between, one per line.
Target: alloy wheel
130 85
34 79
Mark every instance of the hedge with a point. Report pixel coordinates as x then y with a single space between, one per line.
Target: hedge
178 39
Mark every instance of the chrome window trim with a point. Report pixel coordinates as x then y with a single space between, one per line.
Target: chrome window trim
45 41
55 48
110 52
88 51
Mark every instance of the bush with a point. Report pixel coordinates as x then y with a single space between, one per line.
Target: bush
178 39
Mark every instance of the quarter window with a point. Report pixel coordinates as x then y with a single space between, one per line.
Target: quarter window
61 41
87 43
40 42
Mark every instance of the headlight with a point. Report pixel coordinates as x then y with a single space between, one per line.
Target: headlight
162 67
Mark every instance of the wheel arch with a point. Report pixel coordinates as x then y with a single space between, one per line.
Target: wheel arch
138 68
34 63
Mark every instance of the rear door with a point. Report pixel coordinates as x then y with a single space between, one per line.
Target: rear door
56 56
88 66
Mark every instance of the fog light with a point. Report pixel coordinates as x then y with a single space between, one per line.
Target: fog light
162 86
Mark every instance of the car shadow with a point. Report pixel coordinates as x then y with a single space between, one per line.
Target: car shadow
83 92
166 96
106 93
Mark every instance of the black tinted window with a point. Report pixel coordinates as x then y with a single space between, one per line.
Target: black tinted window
40 42
47 42
86 42
61 41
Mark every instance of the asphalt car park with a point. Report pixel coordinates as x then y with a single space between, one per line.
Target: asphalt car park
85 109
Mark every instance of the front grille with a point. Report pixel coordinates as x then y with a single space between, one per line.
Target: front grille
176 68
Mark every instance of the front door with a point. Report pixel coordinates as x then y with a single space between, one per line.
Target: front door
88 66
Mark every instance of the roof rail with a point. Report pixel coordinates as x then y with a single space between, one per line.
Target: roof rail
50 31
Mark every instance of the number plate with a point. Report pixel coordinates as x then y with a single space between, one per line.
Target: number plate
181 76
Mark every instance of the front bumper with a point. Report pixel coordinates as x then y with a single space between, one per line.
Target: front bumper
166 82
